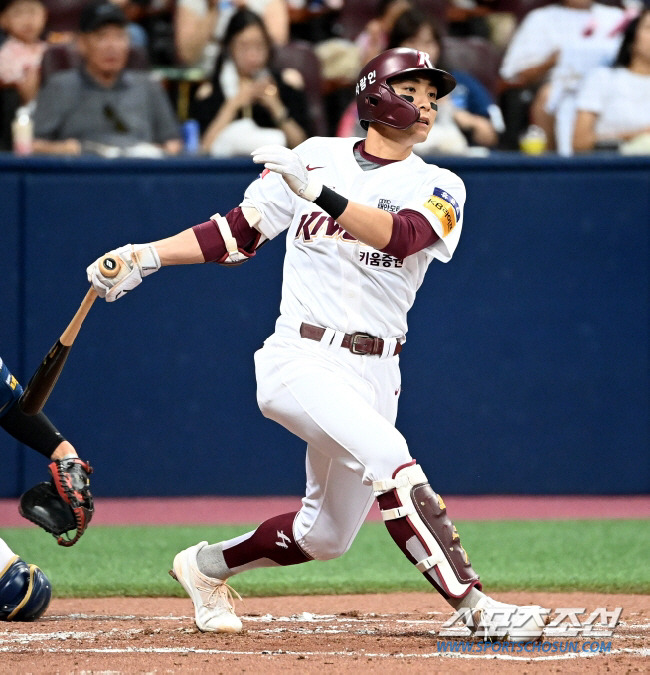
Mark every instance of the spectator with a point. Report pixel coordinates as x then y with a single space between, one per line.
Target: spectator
247 103
64 16
613 104
103 107
22 52
550 52
200 25
475 110
373 39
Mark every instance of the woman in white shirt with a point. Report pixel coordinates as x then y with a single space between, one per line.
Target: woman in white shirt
199 25
551 51
613 104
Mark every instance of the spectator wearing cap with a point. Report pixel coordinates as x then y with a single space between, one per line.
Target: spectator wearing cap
102 107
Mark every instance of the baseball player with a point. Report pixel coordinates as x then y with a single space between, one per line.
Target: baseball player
63 504
363 219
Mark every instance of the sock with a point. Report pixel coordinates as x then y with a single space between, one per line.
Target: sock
270 545
6 554
210 562
468 601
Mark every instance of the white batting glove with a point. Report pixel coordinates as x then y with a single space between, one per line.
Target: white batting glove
138 261
287 163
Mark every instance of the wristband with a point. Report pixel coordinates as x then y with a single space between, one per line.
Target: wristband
331 202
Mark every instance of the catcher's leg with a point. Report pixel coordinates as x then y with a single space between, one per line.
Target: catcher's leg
417 520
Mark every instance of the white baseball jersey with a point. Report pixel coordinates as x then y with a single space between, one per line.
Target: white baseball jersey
330 278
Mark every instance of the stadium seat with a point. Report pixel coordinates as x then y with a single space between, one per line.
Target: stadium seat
300 55
475 55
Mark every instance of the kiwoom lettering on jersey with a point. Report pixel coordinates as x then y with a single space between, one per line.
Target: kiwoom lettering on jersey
379 259
317 225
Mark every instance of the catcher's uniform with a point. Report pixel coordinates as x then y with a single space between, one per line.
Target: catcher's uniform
341 403
65 503
10 389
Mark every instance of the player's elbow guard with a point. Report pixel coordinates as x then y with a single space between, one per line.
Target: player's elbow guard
231 239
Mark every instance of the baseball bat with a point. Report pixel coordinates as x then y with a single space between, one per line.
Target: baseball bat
46 375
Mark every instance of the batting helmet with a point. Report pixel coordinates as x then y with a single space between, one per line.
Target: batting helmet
25 591
376 100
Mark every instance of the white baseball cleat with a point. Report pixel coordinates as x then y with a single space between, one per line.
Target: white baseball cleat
213 603
492 620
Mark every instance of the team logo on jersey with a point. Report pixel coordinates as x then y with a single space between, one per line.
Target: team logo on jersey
317 224
387 205
12 382
445 208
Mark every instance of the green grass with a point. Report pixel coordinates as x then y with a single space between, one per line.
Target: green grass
604 556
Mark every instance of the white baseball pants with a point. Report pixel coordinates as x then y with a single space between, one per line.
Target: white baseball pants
344 407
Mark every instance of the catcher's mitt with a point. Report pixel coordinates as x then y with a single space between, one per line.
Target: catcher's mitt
65 503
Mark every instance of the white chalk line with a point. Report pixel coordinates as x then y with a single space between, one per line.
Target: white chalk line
281 652
12 641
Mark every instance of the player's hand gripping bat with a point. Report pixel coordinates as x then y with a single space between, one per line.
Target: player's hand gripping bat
43 380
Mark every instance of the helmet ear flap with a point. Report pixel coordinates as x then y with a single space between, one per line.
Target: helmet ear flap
373 101
385 106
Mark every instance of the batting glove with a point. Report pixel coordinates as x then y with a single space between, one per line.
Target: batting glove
138 261
287 163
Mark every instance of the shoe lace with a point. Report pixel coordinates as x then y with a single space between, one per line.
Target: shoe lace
221 591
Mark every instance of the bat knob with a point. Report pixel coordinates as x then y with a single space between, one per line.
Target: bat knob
109 266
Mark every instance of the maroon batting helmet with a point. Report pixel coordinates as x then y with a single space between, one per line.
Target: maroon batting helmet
376 100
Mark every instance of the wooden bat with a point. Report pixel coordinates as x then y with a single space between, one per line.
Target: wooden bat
43 380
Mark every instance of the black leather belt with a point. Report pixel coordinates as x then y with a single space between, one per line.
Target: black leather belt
357 343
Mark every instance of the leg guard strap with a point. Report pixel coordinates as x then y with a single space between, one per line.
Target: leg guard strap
416 518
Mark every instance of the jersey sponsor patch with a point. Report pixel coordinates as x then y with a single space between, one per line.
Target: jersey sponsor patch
445 208
387 205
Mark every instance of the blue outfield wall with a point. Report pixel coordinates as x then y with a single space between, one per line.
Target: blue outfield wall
525 369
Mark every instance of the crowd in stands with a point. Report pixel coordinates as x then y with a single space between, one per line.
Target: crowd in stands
123 77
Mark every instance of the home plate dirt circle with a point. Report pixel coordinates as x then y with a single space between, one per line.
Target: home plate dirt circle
384 633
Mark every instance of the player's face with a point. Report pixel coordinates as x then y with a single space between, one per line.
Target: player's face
422 94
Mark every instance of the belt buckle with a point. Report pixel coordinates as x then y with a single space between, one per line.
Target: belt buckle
353 343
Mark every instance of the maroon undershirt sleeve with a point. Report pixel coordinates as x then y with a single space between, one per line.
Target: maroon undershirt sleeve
211 241
412 232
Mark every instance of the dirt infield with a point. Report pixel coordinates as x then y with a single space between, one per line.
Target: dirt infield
336 634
